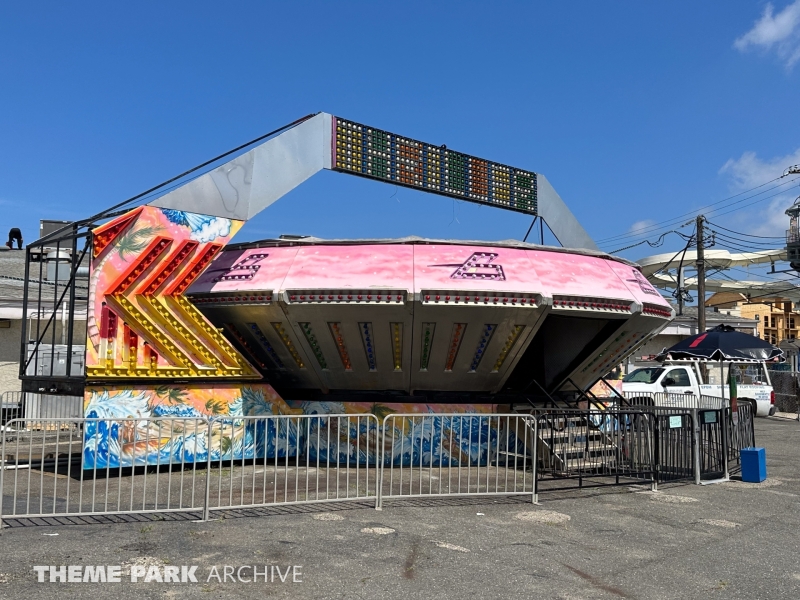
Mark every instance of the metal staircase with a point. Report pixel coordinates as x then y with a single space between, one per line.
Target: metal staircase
574 443
568 442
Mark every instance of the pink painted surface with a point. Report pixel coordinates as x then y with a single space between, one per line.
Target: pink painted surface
270 275
449 267
418 267
358 267
576 274
639 287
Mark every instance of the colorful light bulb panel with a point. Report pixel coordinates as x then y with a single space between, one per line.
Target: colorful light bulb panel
139 324
368 339
455 343
428 330
480 349
510 341
262 339
287 341
312 341
234 331
338 339
378 154
397 345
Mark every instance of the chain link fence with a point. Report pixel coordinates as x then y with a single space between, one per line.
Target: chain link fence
785 385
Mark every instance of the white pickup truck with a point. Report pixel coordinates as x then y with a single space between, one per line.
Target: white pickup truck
685 377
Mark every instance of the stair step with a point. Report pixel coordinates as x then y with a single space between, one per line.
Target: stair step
514 454
557 437
586 466
584 456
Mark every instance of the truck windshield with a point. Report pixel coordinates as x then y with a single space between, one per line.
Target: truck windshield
648 375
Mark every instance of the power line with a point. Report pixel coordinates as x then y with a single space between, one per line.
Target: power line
160 186
741 250
727 212
656 244
765 237
688 243
693 213
743 247
767 275
651 229
744 241
772 294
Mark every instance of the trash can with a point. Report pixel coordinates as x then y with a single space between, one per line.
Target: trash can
754 464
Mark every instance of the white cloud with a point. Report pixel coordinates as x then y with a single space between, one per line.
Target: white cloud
779 32
749 171
641 225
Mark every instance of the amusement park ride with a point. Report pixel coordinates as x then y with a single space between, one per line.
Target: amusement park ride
179 320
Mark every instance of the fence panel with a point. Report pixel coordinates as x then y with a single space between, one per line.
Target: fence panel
456 455
49 406
95 466
785 385
670 400
596 444
10 406
293 459
674 443
712 443
66 467
741 434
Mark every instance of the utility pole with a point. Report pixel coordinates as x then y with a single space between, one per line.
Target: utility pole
701 278
681 287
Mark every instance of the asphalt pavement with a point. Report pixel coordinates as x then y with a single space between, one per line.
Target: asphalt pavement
729 540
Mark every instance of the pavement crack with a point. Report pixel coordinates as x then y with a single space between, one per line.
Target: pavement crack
597 582
408 567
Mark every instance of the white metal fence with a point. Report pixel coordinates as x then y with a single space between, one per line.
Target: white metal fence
16 404
456 455
291 459
95 466
670 400
92 466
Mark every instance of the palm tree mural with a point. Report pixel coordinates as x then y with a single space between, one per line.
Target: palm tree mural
172 395
216 407
130 244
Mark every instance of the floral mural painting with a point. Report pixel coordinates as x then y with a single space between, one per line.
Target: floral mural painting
160 425
169 425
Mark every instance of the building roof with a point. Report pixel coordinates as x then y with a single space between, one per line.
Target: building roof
690 314
12 274
12 286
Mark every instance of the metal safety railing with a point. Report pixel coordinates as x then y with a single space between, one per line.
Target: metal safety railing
11 398
291 459
456 455
33 406
93 466
675 443
85 466
96 466
595 444
673 400
10 406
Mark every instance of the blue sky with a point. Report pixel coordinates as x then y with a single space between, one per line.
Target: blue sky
635 112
